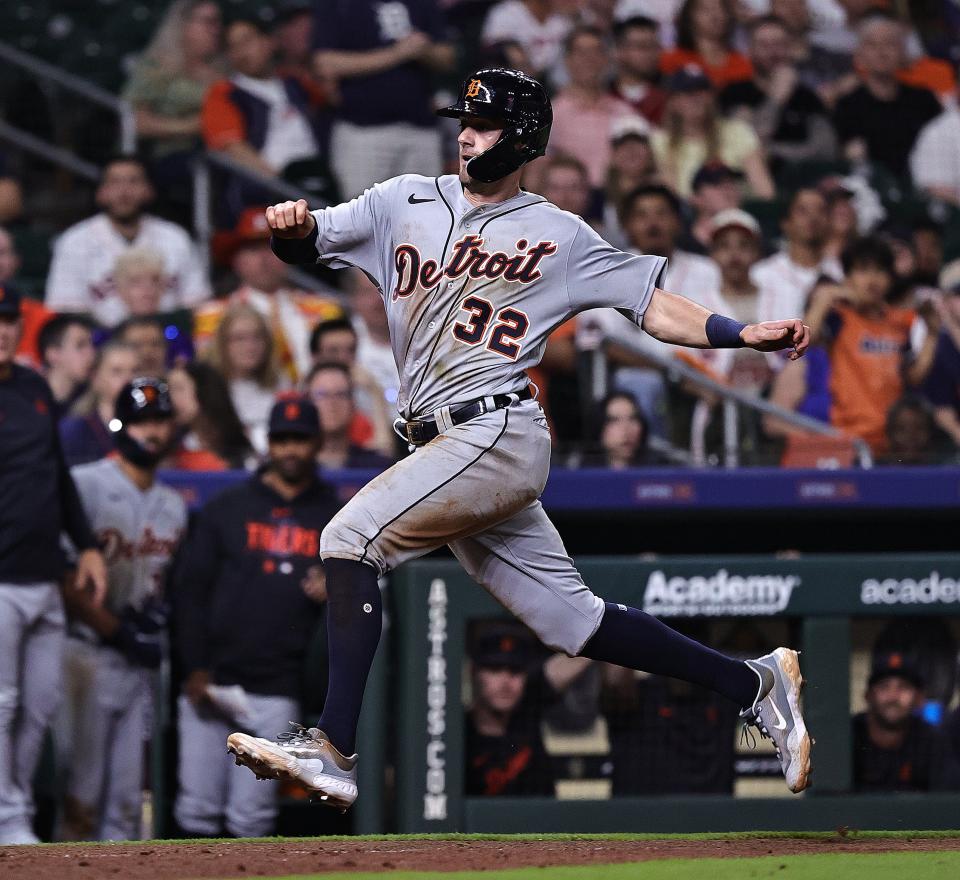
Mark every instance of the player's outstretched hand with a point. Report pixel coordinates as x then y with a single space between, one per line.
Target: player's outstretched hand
778 335
290 219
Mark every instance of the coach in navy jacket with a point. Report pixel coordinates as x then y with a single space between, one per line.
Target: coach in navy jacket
38 499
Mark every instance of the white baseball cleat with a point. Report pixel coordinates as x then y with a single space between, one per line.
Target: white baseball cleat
775 713
304 755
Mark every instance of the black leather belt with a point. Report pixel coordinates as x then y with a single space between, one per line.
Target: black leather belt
421 431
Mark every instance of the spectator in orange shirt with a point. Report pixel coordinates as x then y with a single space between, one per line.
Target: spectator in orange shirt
258 118
704 35
868 342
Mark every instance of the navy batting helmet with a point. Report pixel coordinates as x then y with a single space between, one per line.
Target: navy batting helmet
523 106
138 401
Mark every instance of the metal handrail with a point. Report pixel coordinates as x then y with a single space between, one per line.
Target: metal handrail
78 85
676 370
57 155
203 194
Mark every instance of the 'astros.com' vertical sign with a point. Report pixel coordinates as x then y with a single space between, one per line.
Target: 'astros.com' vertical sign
435 795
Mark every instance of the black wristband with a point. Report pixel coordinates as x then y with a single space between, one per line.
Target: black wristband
724 332
296 250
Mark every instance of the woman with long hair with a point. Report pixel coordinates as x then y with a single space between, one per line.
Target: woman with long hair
693 134
705 38
85 434
619 433
167 88
243 352
212 436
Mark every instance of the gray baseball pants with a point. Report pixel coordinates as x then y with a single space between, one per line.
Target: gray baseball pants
476 487
107 715
31 650
214 792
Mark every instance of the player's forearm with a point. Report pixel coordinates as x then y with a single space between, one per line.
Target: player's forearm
675 319
296 251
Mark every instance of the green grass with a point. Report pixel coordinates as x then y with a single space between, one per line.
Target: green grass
825 866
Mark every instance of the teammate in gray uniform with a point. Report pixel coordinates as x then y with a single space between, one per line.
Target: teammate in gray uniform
475 274
115 649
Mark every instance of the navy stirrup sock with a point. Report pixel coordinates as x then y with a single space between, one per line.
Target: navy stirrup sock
632 638
354 622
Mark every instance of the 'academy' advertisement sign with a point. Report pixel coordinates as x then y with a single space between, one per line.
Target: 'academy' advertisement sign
910 591
718 594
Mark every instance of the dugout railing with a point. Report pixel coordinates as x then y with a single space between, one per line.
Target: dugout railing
434 602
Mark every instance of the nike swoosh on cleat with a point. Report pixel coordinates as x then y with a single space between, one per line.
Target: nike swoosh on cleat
413 200
781 722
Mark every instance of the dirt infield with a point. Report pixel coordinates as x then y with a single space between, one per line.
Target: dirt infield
174 861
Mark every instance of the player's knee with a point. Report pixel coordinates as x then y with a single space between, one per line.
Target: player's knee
344 539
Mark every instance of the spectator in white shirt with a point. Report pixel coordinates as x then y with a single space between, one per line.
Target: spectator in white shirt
786 278
81 273
935 160
735 246
537 24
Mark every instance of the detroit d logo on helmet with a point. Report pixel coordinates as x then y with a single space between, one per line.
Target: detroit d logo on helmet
473 90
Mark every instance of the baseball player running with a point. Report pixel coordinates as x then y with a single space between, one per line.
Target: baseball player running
115 649
475 274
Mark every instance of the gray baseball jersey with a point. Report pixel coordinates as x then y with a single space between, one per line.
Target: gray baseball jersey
138 531
472 293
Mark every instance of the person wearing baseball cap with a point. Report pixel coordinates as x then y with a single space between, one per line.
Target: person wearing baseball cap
893 748
716 187
116 649
503 749
247 604
736 244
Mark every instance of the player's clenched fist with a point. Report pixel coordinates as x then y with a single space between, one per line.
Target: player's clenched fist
778 335
291 219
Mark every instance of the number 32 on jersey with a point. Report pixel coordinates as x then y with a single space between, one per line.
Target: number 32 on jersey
509 327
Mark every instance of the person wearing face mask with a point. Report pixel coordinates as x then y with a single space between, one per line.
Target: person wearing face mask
114 650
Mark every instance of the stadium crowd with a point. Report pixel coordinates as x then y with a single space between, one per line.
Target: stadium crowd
789 157
750 143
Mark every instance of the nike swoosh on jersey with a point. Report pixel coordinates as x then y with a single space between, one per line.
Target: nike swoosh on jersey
413 200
